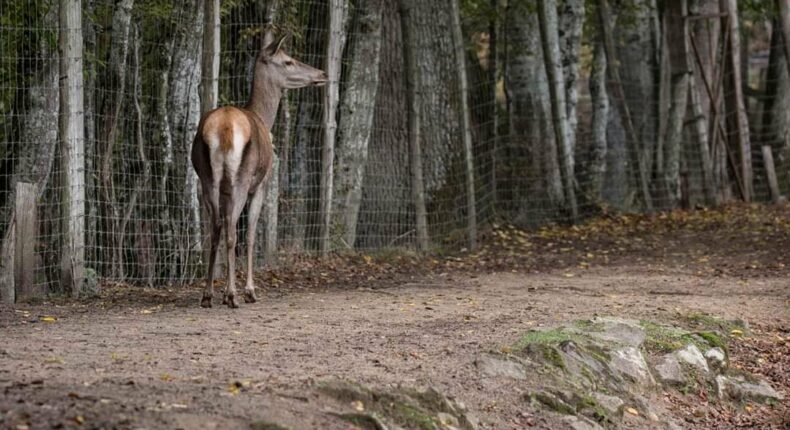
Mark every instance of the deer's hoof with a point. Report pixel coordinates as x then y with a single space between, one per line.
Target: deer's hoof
205 302
249 296
231 301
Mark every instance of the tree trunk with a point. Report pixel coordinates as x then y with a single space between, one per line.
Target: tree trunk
114 89
737 119
677 36
600 104
338 14
551 54
466 125
184 109
386 216
413 88
775 121
533 169
634 87
33 157
141 184
783 8
209 96
72 150
571 24
356 119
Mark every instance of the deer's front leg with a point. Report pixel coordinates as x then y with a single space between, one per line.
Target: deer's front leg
255 212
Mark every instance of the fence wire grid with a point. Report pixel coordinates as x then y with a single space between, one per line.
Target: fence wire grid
662 109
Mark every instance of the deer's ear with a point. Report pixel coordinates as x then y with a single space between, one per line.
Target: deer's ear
274 46
268 37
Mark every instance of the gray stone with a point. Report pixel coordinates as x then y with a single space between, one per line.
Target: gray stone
610 404
669 371
738 388
630 363
492 366
623 331
692 356
716 358
580 423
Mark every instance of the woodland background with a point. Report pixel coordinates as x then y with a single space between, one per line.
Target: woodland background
448 118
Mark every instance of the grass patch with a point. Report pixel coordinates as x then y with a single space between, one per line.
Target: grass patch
660 338
546 337
705 322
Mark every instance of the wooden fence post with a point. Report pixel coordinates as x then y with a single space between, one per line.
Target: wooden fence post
26 239
71 125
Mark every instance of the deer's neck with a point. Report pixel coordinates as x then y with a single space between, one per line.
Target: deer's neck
264 100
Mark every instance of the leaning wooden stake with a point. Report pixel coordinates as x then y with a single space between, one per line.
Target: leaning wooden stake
466 124
415 152
72 148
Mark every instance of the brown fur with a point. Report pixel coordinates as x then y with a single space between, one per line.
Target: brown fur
226 196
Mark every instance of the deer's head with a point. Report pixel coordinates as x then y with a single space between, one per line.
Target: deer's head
282 70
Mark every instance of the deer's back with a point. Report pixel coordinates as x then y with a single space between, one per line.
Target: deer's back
233 143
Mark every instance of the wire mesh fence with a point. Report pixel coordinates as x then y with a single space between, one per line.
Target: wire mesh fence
449 119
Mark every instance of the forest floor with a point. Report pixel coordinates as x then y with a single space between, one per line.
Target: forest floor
151 358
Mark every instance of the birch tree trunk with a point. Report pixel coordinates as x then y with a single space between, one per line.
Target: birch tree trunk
638 62
356 119
571 24
551 54
600 116
533 151
114 89
466 125
184 109
677 37
737 119
72 150
338 14
783 8
705 34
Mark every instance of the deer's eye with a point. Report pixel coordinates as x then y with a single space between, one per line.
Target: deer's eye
289 63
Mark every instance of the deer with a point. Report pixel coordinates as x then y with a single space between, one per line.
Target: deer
232 154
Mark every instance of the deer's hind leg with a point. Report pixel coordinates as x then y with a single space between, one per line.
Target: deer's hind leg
211 199
255 211
233 206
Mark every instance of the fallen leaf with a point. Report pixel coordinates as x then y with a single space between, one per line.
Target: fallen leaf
358 405
79 419
48 319
632 411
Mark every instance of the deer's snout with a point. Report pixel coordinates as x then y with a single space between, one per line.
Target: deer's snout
321 80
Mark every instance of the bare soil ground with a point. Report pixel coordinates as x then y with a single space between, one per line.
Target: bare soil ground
146 358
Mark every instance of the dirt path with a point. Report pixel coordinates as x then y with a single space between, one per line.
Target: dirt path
170 366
